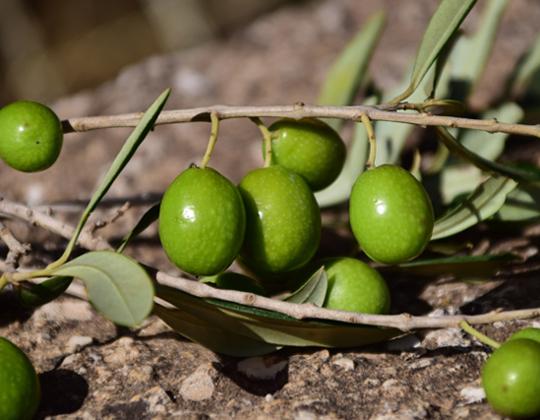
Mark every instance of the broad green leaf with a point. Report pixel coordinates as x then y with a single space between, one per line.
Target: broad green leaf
527 75
521 204
443 24
117 285
273 327
350 68
484 202
529 175
211 334
37 294
120 161
149 217
491 145
355 163
469 56
456 180
459 266
312 291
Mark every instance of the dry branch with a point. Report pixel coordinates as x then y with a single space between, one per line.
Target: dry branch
375 113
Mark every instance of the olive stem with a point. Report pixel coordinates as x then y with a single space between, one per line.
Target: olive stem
370 163
415 167
267 140
214 131
383 112
465 326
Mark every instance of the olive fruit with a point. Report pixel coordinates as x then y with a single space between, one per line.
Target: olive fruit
235 281
531 333
511 378
283 221
19 384
355 286
30 136
390 214
309 147
201 221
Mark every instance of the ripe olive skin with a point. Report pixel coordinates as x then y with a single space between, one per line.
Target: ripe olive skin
19 384
511 378
355 286
309 147
390 214
201 221
31 136
283 221
531 333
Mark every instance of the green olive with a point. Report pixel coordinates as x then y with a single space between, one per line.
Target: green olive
355 286
531 333
283 221
235 281
19 384
391 214
201 221
30 136
309 147
511 378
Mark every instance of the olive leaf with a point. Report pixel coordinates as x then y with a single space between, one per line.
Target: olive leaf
482 203
527 175
526 78
350 68
443 24
469 55
523 203
117 285
37 294
273 327
469 266
120 161
313 290
149 217
211 334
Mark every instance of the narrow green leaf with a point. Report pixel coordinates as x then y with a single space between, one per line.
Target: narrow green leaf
32 294
350 68
491 145
460 266
521 204
273 327
149 217
312 291
212 335
443 24
355 163
484 202
117 285
527 72
122 158
456 180
531 175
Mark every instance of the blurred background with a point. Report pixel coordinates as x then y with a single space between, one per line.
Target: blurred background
78 44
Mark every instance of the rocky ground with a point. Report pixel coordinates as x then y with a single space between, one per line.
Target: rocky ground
91 369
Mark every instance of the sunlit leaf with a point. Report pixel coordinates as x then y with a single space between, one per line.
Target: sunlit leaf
350 68
443 24
484 202
312 291
37 294
149 217
523 203
120 161
117 285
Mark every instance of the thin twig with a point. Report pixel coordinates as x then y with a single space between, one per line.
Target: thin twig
15 249
22 212
109 219
404 322
297 111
